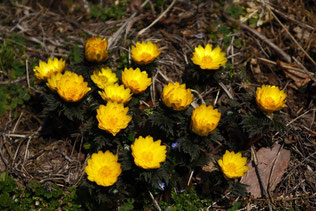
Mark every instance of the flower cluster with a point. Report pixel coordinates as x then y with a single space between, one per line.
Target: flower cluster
103 168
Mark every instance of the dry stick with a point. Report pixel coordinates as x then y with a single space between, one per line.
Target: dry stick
115 37
17 150
28 143
27 73
226 90
190 178
17 122
155 201
287 31
26 149
152 89
78 157
261 182
291 19
3 159
285 56
215 102
199 95
155 21
12 82
303 70
262 37
214 203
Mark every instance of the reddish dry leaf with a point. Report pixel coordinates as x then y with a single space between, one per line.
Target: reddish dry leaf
295 73
209 167
268 159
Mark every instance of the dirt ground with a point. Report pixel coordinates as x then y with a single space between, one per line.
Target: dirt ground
277 48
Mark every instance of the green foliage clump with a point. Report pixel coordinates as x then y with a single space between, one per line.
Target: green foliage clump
35 196
185 201
109 11
12 94
235 11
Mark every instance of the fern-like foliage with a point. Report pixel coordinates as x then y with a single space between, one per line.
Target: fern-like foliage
254 125
165 122
187 146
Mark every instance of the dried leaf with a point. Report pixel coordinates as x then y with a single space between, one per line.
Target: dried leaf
295 73
209 167
268 159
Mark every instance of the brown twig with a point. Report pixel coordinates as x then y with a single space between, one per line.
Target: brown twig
287 31
284 55
157 19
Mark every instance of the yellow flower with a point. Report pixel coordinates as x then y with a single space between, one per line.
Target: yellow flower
45 70
113 117
103 77
53 80
204 119
72 87
145 52
176 96
270 98
103 168
148 153
207 58
116 93
96 49
136 80
233 165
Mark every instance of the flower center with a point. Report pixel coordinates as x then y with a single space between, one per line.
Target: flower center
145 56
231 167
269 101
112 121
207 60
104 79
104 172
147 157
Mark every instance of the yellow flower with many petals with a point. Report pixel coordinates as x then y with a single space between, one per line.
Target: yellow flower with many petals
176 96
204 119
207 58
233 165
72 87
135 80
53 80
148 153
116 93
45 70
270 98
145 52
96 49
113 117
103 168
103 77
